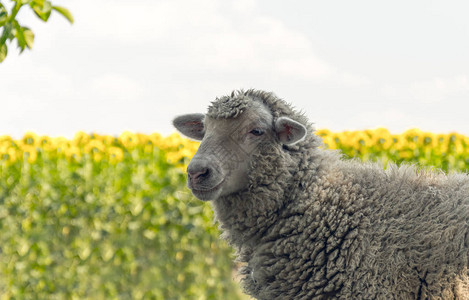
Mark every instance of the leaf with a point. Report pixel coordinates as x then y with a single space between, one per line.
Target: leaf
42 9
3 52
37 2
6 33
64 12
19 34
3 15
28 37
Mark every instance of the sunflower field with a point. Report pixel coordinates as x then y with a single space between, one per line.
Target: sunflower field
100 217
448 152
104 217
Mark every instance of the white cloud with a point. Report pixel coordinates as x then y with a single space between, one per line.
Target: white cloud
144 21
394 118
244 6
440 89
23 78
443 91
116 87
220 37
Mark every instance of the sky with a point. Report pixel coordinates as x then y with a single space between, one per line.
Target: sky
135 65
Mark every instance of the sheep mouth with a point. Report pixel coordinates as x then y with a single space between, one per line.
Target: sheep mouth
206 193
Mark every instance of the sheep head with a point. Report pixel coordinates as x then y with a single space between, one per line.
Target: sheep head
231 133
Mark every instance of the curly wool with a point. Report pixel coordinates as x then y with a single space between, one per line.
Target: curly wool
312 226
229 106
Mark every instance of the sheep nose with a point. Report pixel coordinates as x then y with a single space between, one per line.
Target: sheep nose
198 171
198 175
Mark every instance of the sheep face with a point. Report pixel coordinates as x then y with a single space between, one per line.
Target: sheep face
222 163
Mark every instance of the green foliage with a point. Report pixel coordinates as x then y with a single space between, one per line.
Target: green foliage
92 229
24 36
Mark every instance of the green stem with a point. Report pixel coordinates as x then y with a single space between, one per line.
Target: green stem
15 10
9 23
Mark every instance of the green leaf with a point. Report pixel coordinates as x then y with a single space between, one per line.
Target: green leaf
6 33
37 2
19 34
28 37
64 12
3 15
42 9
3 52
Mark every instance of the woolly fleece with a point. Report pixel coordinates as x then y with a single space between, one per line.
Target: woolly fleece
313 226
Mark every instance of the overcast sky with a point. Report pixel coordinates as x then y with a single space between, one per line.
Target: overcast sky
134 65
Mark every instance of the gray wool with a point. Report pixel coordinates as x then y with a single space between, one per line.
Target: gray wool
229 106
314 226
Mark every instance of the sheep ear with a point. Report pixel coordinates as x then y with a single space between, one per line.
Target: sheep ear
289 131
191 125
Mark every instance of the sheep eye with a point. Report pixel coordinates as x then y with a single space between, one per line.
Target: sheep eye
256 132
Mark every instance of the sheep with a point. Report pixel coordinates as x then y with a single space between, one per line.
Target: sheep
307 224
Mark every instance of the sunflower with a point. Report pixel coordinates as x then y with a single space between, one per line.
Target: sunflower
115 154
128 139
29 153
81 138
94 146
30 139
72 152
